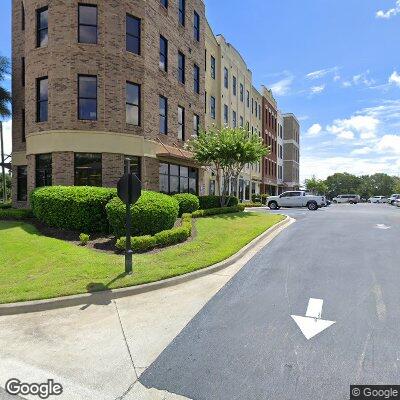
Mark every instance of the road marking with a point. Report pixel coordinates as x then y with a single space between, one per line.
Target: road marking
312 324
382 226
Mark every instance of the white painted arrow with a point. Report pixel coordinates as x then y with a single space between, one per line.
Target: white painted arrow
312 324
382 226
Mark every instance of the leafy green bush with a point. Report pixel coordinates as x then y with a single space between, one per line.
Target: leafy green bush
208 202
12 213
152 213
141 244
256 198
80 208
187 203
252 205
6 205
217 211
84 239
264 198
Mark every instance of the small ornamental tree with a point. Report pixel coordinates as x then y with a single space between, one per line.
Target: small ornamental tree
316 186
225 152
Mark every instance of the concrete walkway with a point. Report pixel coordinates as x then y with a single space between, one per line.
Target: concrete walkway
99 351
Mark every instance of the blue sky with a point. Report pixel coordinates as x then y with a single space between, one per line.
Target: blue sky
334 63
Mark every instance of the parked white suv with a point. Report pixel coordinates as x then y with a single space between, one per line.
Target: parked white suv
393 198
296 199
377 199
347 198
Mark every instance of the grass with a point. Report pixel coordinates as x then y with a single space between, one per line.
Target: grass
34 267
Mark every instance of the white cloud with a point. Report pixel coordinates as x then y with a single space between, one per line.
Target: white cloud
7 137
314 130
363 125
362 151
321 73
389 144
395 78
389 13
283 86
360 79
317 89
337 78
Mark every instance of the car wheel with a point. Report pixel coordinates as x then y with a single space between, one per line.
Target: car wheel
312 206
273 205
392 203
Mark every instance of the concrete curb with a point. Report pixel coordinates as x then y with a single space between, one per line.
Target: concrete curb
105 297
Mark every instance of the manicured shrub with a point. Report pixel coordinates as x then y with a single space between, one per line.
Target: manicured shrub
187 203
152 213
251 205
207 202
217 211
12 213
256 198
141 244
80 208
6 205
264 198
84 239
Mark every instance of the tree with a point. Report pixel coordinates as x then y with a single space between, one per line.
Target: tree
381 184
342 183
317 186
5 96
8 186
225 152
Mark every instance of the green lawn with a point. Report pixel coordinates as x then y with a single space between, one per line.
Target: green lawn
34 267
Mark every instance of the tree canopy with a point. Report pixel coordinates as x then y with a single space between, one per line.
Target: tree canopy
5 96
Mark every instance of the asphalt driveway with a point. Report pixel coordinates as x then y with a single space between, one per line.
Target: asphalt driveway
244 344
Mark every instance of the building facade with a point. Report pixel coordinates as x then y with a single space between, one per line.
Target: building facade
279 133
99 81
270 128
291 151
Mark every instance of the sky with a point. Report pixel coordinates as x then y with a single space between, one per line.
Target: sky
334 63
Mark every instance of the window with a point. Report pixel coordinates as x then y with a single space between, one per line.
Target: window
87 31
133 34
22 183
259 112
87 97
164 3
256 109
234 85
22 16
88 169
23 71
178 179
226 114
163 53
42 27
163 113
181 67
196 79
241 93
181 123
43 170
212 107
226 78
196 125
23 125
234 121
181 12
132 104
241 122
248 98
135 164
196 26
212 67
42 99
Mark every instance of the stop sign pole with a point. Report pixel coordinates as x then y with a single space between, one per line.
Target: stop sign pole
129 191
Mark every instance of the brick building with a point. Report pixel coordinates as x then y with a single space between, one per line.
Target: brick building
98 81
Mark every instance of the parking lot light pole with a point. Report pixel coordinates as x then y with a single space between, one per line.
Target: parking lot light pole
128 248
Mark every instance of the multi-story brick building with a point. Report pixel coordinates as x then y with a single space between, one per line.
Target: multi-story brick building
279 134
231 100
270 128
291 151
97 81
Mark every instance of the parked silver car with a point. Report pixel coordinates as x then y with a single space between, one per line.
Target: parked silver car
393 198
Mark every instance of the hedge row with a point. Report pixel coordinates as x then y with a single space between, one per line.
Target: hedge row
12 213
209 202
252 205
4 206
141 244
81 208
152 213
217 211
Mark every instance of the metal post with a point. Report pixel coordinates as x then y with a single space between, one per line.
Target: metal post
3 170
128 252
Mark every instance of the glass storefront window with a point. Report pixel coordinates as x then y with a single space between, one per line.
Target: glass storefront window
43 170
88 169
178 179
